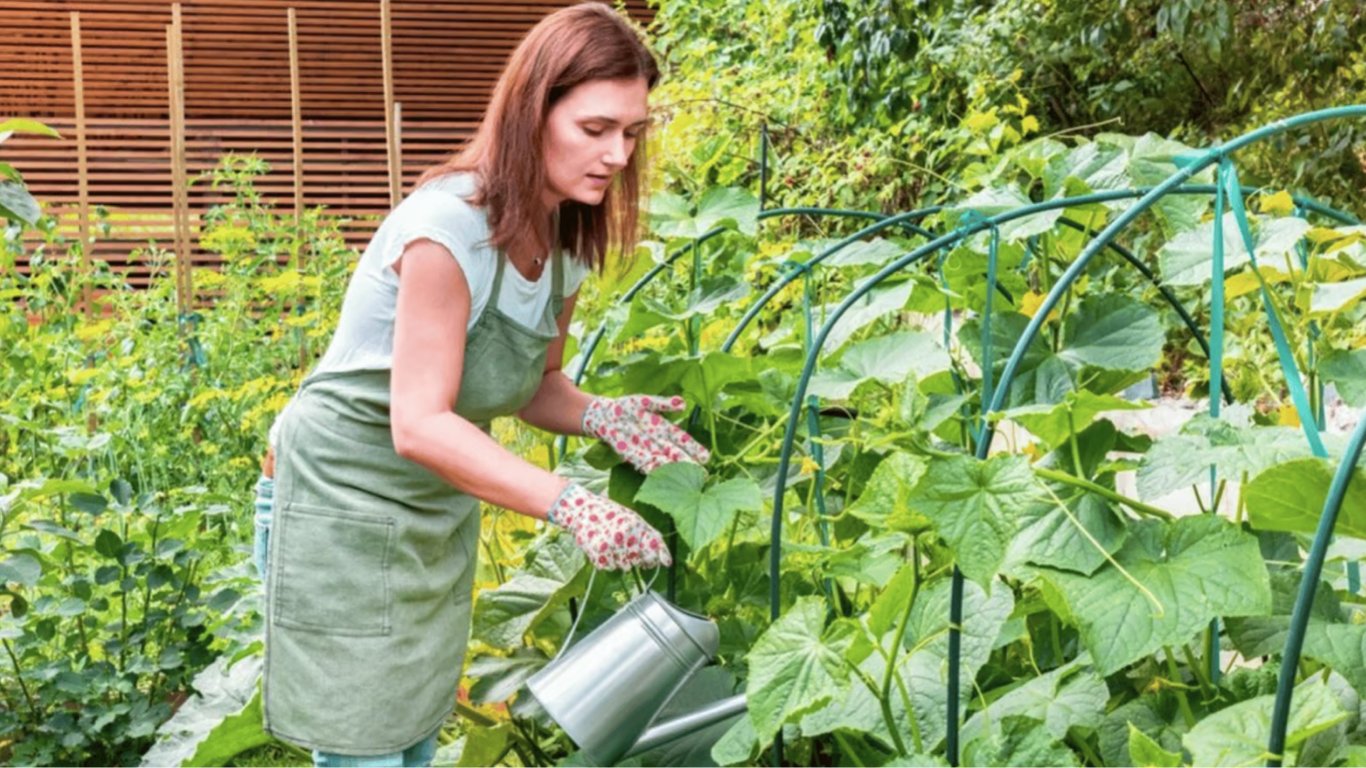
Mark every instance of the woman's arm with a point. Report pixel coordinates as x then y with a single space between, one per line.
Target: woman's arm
558 405
429 349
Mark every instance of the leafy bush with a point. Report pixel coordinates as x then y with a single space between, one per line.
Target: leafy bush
129 439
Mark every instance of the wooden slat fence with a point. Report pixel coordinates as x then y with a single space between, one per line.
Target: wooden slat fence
445 58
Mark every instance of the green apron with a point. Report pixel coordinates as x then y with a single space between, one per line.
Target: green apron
372 556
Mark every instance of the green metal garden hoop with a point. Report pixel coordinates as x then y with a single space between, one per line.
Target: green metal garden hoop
1224 191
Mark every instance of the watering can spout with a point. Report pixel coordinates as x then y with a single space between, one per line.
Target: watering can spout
680 726
607 689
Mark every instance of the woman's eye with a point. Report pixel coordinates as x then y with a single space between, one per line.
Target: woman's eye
633 136
593 131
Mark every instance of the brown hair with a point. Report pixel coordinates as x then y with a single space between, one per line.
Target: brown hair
571 46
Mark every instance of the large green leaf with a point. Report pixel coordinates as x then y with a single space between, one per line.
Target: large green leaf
483 745
222 720
1232 450
497 678
1147 753
1238 735
890 604
885 501
1291 496
673 217
1187 259
1346 370
728 206
1151 162
1172 579
16 203
1340 646
21 568
1053 423
974 506
862 252
1095 166
872 306
737 745
1067 539
1331 297
996 200
922 667
1041 377
1016 740
1114 333
701 514
1108 332
1071 695
1141 714
889 359
1327 638
503 615
795 667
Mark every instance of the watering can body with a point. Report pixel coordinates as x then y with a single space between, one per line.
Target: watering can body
606 690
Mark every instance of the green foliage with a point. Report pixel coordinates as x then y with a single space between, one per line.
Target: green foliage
129 439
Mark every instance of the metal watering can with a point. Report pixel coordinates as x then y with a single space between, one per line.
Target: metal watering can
607 690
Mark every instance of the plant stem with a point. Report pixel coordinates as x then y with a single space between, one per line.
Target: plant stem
1200 672
848 753
1100 490
536 753
884 704
18 675
1181 699
1072 441
896 646
1242 501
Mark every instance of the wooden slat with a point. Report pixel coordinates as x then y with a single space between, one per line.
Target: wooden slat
237 98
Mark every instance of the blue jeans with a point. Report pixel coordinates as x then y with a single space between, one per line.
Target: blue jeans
419 754
265 500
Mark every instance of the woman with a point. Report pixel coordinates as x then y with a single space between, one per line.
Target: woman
456 313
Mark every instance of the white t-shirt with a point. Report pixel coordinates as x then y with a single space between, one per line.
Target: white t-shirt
439 212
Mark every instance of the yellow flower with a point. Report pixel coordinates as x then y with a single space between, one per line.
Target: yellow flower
981 122
228 240
301 321
92 331
285 282
206 397
79 376
208 279
1279 204
809 466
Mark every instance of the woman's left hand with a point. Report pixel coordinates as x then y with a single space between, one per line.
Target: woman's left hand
632 425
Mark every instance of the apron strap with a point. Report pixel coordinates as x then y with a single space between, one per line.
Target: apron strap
498 277
557 265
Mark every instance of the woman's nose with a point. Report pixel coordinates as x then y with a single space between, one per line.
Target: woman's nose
617 153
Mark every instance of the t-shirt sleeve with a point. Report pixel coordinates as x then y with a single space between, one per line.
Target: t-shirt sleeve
449 221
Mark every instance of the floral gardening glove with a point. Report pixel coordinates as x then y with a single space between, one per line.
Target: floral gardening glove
635 430
613 537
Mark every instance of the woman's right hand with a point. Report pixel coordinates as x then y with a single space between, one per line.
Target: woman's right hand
613 537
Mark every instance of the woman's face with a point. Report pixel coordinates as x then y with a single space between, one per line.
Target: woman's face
590 133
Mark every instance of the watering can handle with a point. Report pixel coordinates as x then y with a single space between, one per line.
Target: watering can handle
588 590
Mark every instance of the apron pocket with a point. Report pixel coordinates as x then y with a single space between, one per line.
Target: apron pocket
333 571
